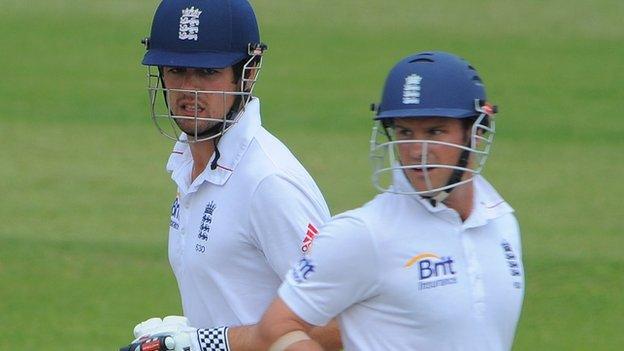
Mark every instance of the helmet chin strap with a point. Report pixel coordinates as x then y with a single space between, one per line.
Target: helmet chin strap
236 107
230 115
455 177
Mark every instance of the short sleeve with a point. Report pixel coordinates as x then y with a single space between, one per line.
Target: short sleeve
282 214
341 270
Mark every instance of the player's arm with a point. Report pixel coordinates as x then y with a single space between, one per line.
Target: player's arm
314 291
279 330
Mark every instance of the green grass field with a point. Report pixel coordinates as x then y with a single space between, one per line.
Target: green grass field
85 198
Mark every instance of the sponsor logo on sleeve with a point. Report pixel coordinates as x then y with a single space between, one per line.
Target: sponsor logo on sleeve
309 238
433 270
513 264
302 270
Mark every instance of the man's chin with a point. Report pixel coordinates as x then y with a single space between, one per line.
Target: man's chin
421 186
190 129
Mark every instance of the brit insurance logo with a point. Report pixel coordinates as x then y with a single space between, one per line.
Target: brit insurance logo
302 270
411 89
433 270
175 213
204 227
189 23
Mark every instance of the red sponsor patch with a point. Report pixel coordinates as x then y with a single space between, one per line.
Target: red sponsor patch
309 238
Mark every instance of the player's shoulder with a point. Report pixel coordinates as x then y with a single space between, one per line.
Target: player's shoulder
497 209
267 155
381 207
272 150
345 237
490 198
285 195
358 223
272 162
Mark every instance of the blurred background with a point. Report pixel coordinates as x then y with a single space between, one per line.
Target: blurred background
85 199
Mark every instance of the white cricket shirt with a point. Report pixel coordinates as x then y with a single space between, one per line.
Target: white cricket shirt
236 230
403 275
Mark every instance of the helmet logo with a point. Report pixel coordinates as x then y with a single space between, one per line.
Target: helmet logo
189 23
411 89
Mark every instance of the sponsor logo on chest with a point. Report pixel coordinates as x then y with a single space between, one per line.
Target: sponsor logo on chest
433 270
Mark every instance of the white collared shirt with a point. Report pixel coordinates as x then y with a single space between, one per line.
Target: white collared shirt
236 230
401 274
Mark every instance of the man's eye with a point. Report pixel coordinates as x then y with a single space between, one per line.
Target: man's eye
436 131
404 133
208 71
176 70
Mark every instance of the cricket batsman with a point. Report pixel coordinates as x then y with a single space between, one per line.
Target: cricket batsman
245 208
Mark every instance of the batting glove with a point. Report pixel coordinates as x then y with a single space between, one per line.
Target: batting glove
173 333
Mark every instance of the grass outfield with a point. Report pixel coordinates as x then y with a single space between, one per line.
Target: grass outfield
85 199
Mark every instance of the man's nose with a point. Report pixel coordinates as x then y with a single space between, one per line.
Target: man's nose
417 150
190 81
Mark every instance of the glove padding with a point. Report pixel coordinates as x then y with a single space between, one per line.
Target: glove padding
184 336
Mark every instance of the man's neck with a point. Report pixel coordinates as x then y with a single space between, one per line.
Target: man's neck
202 152
461 200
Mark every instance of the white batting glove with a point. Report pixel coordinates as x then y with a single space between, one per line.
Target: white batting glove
182 337
174 333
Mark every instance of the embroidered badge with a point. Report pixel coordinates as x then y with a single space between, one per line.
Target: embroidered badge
189 24
175 213
204 227
411 89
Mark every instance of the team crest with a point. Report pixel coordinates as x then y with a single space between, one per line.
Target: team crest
189 23
204 227
175 213
411 89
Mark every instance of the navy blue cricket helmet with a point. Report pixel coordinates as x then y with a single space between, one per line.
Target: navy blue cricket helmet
431 84
201 33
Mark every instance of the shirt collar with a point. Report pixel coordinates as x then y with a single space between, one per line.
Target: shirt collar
232 146
487 203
